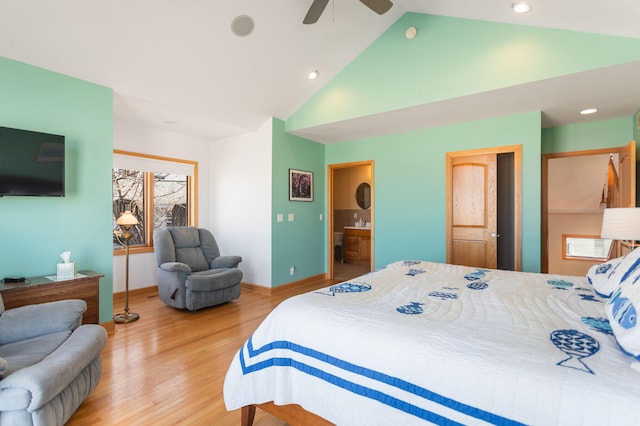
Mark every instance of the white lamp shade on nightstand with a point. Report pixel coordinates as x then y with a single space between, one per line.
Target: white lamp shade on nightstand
621 224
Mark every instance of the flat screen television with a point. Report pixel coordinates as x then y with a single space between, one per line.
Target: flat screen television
31 163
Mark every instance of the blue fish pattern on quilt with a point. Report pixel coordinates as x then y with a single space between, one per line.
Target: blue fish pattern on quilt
443 295
560 284
478 285
577 345
589 298
346 287
598 324
413 272
415 308
410 262
476 275
623 311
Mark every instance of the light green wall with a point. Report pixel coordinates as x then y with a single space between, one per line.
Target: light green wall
453 57
593 135
298 243
35 230
409 183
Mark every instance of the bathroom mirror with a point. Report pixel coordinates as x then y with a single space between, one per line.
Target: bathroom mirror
363 195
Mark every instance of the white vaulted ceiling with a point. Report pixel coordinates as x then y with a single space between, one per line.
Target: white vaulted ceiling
177 62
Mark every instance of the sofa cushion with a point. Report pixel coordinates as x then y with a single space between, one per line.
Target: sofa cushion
25 353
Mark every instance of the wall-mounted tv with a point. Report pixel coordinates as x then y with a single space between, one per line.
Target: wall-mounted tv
31 163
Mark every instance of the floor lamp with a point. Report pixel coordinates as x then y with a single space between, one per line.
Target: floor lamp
126 221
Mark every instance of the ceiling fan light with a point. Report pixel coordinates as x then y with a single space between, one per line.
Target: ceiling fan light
313 75
521 7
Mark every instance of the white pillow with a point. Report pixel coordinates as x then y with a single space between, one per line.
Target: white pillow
599 277
622 310
628 264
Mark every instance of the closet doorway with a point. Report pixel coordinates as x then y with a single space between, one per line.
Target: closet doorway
350 219
576 188
484 207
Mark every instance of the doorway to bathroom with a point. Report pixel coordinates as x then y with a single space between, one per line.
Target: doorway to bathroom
350 219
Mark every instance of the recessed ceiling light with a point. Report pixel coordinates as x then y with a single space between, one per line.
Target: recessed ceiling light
521 7
588 111
313 75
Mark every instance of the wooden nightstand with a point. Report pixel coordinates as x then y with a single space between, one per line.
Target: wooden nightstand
85 286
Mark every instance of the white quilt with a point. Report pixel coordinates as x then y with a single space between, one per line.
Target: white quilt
420 342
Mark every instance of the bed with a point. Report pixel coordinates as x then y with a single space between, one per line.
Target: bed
420 342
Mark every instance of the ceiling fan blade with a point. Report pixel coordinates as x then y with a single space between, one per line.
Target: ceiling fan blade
378 6
314 12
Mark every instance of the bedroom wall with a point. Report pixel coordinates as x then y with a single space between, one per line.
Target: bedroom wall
132 134
35 230
410 183
300 243
240 191
584 136
452 57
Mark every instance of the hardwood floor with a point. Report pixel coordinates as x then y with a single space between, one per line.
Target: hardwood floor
168 368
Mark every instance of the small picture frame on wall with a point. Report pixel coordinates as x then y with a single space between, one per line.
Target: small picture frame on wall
300 185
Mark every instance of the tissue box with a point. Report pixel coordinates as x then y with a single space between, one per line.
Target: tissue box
66 271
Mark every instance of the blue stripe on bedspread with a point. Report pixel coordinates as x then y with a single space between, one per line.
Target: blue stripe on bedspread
363 390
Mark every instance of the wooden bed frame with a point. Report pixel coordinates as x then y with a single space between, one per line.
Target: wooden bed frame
292 414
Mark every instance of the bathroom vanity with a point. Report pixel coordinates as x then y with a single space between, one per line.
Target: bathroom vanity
357 243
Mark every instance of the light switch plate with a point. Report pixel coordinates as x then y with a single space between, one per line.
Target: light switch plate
280 217
291 218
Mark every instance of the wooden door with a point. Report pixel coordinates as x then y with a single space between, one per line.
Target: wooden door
474 211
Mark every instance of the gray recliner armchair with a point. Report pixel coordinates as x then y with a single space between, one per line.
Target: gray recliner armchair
49 362
191 272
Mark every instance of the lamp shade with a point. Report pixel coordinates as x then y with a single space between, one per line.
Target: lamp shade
127 219
621 224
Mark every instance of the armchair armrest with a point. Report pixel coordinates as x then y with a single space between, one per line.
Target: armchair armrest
175 267
43 318
225 262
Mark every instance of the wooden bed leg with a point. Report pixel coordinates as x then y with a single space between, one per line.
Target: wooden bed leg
248 413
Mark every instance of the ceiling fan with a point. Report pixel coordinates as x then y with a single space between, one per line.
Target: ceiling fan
318 6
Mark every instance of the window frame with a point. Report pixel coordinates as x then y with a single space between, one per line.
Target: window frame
565 256
148 182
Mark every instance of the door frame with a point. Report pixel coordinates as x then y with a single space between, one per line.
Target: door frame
330 218
545 183
517 196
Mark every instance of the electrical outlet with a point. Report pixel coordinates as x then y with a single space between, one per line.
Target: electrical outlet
291 217
355 215
280 217
292 270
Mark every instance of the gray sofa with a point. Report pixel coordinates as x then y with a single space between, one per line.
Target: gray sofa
191 272
49 362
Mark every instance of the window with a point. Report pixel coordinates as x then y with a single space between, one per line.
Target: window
586 247
159 192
